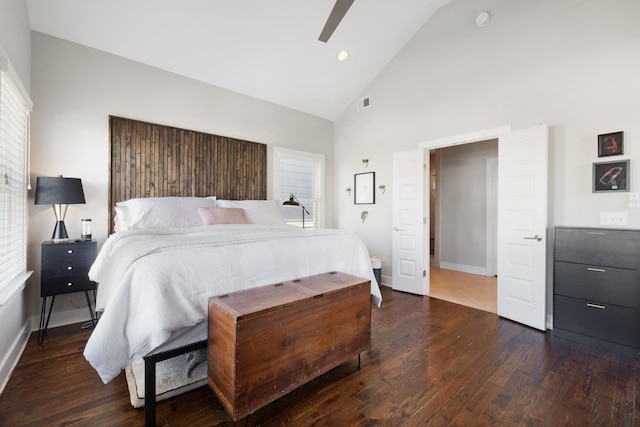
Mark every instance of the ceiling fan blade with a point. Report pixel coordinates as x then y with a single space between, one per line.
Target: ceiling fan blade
339 10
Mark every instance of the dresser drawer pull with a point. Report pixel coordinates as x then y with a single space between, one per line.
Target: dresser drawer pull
601 307
71 284
599 270
70 251
597 233
69 268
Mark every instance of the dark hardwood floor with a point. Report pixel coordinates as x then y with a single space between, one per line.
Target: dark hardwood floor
431 362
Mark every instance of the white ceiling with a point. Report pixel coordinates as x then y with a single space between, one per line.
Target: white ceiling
267 49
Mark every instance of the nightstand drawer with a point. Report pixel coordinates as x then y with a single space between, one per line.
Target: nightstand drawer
66 285
604 321
57 268
65 251
590 282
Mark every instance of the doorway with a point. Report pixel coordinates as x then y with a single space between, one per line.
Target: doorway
463 218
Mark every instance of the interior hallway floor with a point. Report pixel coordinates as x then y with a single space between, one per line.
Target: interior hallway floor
471 290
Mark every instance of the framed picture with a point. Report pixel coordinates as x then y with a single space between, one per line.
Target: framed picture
364 188
611 176
610 144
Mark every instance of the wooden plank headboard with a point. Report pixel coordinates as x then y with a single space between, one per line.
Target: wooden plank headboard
151 160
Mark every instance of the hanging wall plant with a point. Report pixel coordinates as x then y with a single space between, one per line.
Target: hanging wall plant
348 190
383 188
363 215
365 162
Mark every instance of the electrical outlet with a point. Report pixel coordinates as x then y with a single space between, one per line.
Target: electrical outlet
614 218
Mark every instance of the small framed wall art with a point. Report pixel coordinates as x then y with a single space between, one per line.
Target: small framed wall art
611 176
364 188
610 144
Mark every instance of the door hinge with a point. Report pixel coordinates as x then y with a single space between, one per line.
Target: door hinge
424 273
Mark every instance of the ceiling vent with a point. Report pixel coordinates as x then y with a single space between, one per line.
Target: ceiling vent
364 103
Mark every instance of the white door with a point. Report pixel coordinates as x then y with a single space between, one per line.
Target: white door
522 225
410 270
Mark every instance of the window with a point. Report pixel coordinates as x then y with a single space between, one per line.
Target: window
14 136
301 174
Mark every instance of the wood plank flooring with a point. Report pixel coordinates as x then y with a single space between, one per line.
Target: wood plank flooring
467 289
431 363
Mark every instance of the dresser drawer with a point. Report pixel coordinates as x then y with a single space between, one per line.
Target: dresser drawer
606 284
66 285
611 248
604 321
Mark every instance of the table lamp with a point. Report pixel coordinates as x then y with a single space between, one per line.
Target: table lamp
295 202
58 191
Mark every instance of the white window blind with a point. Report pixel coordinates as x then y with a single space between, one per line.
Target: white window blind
301 174
14 136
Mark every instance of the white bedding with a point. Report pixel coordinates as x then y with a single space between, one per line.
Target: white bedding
155 282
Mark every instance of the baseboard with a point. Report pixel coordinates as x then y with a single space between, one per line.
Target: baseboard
12 355
62 318
386 281
472 269
549 321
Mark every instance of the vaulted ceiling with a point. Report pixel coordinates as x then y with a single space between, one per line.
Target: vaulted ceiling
268 49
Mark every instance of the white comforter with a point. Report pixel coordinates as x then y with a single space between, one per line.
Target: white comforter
152 283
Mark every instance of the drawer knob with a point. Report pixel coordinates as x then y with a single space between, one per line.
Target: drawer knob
69 284
600 307
69 268
70 251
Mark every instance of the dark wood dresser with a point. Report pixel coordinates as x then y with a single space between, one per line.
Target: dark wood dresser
267 341
597 287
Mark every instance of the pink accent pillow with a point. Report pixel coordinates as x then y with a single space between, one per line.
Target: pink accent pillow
212 216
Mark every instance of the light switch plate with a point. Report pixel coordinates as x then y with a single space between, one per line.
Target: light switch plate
634 200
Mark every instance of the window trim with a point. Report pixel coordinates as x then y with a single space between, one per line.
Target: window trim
306 156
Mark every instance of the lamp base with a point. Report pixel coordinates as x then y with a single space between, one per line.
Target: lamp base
59 233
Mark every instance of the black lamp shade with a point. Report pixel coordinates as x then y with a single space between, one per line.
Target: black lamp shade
291 201
59 190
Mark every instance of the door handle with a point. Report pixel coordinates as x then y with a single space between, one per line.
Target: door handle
397 229
537 238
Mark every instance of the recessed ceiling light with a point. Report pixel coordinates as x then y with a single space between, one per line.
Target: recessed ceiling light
483 18
342 55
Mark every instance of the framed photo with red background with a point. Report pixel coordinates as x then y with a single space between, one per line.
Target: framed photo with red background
610 144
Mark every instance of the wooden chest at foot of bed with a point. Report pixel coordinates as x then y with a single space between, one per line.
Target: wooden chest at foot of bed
267 341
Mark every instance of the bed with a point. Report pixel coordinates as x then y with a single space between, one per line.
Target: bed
169 255
173 245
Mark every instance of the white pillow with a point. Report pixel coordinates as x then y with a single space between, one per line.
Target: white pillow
265 212
121 219
160 212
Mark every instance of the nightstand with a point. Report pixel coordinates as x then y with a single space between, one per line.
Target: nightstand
65 269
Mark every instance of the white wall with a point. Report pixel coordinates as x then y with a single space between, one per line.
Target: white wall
572 64
76 88
463 206
15 37
15 40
